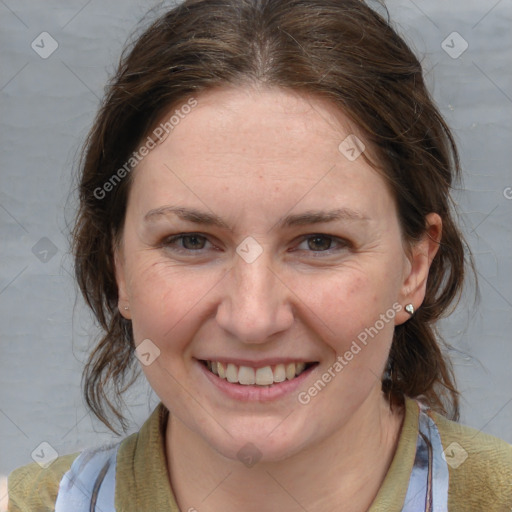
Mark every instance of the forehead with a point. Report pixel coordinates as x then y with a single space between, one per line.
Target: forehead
262 124
275 144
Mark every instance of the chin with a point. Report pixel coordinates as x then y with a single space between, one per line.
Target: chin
256 450
251 442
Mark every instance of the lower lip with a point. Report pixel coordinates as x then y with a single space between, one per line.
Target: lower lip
256 393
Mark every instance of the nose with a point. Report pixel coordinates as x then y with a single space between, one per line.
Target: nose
255 303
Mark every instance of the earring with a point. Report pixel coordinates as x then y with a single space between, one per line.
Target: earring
410 309
126 308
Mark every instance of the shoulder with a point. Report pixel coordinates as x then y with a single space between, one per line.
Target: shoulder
34 488
139 458
479 465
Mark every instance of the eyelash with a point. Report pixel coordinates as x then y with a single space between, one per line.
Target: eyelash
345 244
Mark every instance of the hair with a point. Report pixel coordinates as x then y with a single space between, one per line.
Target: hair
340 50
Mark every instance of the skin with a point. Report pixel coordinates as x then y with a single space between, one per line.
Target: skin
252 156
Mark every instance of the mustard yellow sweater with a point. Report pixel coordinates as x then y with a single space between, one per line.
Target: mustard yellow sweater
482 483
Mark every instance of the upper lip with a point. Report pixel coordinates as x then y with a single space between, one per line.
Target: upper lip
260 363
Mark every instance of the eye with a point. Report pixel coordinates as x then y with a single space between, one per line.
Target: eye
322 243
186 242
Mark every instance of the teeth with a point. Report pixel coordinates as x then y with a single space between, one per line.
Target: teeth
279 373
264 376
232 373
248 376
299 368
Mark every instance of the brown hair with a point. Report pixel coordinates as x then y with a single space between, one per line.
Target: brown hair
339 50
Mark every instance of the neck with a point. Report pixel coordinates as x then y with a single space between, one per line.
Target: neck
347 468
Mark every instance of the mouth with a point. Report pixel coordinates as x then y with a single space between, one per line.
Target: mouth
263 377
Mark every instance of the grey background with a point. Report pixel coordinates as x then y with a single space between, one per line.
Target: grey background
47 106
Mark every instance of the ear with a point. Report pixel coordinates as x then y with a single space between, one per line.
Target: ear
120 274
420 256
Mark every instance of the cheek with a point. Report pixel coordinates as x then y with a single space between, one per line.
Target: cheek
164 298
352 306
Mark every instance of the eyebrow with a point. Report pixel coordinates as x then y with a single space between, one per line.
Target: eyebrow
300 219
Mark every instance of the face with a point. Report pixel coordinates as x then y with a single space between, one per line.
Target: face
253 241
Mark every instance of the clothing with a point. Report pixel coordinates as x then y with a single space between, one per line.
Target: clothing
90 484
482 482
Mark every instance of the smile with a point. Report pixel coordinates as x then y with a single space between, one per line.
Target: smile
266 376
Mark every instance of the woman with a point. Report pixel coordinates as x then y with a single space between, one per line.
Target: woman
265 225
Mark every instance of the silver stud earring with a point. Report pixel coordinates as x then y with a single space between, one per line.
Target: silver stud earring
410 309
126 308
